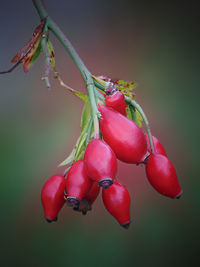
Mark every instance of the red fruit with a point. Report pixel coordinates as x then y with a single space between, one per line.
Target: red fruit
77 183
117 201
100 162
93 193
159 149
117 102
52 196
123 135
90 197
162 176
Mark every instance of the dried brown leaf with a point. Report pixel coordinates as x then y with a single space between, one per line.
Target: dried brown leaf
23 54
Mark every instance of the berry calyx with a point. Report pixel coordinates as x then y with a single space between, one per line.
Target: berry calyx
123 135
117 201
100 162
83 206
77 183
86 203
52 196
162 176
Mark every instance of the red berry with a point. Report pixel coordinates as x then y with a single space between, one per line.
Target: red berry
117 102
162 176
77 183
88 200
52 196
100 162
117 201
159 149
123 135
93 193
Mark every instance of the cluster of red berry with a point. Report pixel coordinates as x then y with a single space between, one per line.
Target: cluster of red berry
123 140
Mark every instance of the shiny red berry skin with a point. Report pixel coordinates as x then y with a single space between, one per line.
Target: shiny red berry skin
117 102
77 183
100 162
162 176
159 149
123 135
117 201
52 196
93 193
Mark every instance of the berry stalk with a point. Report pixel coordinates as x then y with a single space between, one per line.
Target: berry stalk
86 75
146 122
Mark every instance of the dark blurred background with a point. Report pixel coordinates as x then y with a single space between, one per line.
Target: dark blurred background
156 44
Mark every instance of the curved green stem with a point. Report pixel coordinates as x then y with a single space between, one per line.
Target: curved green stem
140 110
75 57
46 55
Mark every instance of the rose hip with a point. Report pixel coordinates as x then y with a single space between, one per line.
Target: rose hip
117 102
100 162
77 183
117 200
52 197
162 176
159 149
93 193
123 135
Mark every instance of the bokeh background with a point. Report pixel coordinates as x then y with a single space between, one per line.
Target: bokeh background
156 44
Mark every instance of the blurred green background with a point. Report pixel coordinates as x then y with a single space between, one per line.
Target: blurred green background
156 44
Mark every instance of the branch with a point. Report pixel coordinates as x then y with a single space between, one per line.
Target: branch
46 56
11 69
75 57
146 122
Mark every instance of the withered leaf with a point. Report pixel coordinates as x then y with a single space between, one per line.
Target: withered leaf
26 54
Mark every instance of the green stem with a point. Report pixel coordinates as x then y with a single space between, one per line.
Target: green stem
140 110
46 55
75 57
98 95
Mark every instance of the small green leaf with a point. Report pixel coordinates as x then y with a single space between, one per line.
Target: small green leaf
134 115
138 118
69 159
126 87
81 156
82 96
128 112
37 53
51 53
81 145
131 113
90 131
86 114
30 60
79 148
